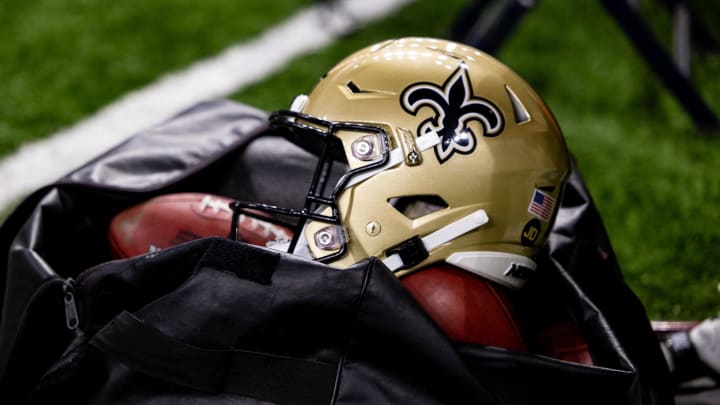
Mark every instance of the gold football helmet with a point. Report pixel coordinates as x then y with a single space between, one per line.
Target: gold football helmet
449 156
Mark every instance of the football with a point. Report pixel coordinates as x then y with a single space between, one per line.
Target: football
171 219
563 340
466 307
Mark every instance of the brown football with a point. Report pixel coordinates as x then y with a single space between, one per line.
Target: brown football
172 219
467 307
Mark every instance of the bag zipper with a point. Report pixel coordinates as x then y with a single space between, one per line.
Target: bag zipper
72 320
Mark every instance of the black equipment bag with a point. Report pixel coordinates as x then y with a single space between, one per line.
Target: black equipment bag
218 321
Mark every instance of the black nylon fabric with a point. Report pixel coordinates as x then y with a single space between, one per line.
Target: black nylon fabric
255 322
306 312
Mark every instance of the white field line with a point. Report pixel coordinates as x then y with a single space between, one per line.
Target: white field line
39 163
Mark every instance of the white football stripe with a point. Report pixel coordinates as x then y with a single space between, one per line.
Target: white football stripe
42 162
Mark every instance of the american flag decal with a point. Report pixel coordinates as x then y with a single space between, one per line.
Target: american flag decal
542 205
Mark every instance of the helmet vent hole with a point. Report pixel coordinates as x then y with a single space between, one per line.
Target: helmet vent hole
353 88
418 206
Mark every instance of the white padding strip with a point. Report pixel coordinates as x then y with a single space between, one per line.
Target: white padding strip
427 141
455 229
393 262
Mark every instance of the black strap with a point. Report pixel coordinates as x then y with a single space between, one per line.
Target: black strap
259 375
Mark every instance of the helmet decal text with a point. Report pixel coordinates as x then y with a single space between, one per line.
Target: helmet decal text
455 106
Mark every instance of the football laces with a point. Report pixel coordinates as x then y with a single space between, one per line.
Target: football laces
267 229
215 205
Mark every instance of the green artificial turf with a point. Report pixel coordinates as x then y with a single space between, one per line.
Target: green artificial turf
61 60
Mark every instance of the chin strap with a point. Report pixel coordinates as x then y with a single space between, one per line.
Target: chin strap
416 249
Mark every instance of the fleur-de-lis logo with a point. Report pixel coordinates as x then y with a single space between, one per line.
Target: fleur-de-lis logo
455 106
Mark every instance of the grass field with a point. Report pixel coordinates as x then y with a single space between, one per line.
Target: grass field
652 174
67 58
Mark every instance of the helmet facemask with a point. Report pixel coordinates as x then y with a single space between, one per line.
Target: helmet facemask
332 173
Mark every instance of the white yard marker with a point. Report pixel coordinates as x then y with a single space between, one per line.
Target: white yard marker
42 162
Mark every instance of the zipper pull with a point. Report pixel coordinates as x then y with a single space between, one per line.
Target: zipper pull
71 316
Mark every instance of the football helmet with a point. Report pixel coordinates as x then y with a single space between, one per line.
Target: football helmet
448 155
